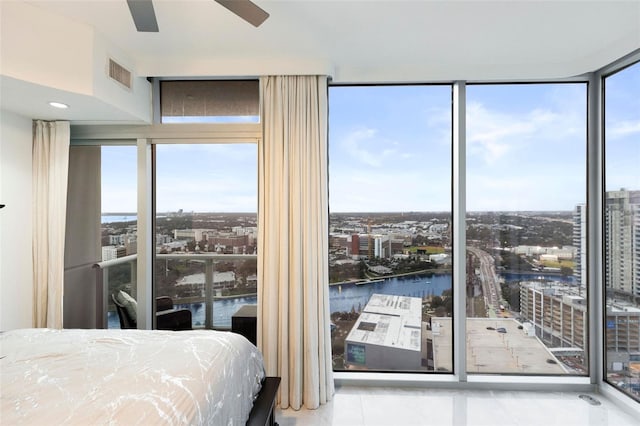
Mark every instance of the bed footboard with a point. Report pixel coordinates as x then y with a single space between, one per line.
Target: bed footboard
263 411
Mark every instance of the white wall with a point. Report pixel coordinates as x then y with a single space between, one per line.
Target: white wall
26 29
135 101
16 265
72 69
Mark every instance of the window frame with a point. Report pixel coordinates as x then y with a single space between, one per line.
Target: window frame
590 294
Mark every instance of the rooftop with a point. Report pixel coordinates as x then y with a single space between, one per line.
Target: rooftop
490 351
388 320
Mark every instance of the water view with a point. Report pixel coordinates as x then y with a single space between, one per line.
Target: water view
113 218
347 297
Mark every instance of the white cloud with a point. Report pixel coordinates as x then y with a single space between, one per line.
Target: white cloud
388 190
364 146
623 128
496 137
119 197
438 118
524 153
489 133
527 191
207 192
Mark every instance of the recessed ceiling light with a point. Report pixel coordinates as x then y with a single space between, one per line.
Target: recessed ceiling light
59 105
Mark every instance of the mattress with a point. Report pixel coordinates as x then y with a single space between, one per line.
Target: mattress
127 377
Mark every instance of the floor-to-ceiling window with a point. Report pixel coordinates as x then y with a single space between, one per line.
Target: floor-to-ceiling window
390 227
526 229
526 226
621 219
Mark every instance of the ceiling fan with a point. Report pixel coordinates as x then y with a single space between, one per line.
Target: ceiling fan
145 18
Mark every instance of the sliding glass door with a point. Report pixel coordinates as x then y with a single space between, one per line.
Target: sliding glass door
206 228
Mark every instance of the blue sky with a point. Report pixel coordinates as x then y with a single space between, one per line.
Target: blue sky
390 150
207 178
622 129
525 147
197 177
119 179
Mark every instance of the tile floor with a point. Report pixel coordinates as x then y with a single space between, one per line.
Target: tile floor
352 406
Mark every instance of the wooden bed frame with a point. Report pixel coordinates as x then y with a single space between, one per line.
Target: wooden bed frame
263 411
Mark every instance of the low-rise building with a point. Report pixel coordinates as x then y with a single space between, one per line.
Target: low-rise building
387 335
622 335
557 311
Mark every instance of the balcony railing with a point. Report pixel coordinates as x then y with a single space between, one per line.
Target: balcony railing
107 282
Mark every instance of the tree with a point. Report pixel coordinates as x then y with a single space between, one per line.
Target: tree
566 271
225 267
246 268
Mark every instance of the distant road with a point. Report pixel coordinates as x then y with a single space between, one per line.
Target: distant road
488 278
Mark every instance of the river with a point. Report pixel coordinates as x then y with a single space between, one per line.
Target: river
345 297
108 218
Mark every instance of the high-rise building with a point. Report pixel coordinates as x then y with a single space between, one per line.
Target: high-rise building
622 236
580 243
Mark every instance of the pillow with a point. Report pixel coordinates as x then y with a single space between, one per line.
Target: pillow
129 303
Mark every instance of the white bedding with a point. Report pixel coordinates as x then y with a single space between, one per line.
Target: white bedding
127 377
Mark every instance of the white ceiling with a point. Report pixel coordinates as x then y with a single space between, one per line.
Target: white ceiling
373 40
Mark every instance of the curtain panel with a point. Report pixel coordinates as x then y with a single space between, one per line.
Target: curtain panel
50 169
293 292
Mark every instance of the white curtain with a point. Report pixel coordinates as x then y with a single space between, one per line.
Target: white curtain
50 170
293 294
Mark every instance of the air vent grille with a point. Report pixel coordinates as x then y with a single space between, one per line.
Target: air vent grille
119 73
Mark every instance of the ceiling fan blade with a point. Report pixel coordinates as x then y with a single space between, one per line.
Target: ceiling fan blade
143 15
247 10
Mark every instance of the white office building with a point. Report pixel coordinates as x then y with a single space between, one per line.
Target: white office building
386 335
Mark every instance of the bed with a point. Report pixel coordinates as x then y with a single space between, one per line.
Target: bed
131 377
